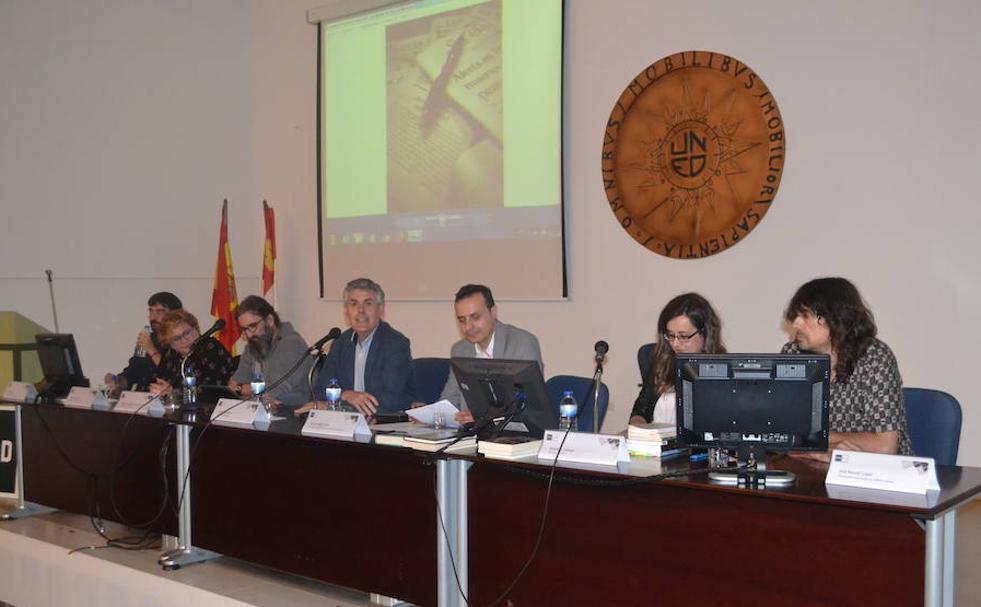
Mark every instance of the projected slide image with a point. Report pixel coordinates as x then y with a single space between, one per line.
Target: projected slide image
444 111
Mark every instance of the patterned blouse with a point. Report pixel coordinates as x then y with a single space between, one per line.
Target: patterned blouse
210 363
872 398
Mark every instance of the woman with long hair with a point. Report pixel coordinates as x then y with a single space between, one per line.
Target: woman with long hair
867 412
687 325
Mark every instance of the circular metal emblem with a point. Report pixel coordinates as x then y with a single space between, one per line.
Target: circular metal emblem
693 154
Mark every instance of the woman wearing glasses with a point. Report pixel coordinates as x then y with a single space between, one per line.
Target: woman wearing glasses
687 325
209 361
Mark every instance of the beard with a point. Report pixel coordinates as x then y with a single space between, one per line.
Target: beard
261 344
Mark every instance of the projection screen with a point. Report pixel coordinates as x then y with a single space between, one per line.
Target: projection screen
440 148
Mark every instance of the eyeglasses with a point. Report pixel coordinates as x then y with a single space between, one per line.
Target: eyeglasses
252 326
187 334
681 338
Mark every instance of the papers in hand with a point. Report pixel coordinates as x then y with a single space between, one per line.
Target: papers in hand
425 414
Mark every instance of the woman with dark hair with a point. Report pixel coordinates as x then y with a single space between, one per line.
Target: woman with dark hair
687 325
207 360
828 316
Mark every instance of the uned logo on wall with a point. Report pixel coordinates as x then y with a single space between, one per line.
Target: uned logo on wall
693 154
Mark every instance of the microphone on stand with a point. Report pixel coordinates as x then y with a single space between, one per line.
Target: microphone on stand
331 336
317 351
600 348
218 326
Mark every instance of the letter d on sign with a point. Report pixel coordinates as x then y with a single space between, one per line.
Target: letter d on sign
6 452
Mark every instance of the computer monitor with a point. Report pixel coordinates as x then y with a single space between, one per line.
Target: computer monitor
493 389
753 403
59 363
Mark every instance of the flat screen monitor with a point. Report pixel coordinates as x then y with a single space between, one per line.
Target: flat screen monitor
494 388
754 403
59 363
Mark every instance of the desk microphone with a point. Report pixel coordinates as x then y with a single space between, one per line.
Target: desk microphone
218 326
332 335
601 348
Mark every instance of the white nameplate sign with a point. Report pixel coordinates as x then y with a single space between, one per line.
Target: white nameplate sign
86 398
584 447
239 412
904 473
335 424
20 391
131 401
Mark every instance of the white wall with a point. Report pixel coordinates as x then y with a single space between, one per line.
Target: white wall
125 123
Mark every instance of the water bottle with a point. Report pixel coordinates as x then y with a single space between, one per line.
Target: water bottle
140 351
568 412
258 385
190 392
333 395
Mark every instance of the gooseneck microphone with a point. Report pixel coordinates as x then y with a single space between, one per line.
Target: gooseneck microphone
332 335
218 326
601 348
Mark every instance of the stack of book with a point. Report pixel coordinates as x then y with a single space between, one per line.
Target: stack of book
510 447
653 440
436 440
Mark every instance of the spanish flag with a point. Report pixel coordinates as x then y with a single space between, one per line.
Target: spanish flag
269 252
224 299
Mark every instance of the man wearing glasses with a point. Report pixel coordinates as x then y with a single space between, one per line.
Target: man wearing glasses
273 348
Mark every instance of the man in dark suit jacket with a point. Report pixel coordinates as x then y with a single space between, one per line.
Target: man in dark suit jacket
484 337
371 361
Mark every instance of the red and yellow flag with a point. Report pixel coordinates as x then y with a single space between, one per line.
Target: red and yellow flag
268 250
224 299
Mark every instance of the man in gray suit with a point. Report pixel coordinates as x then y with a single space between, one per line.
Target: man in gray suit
484 337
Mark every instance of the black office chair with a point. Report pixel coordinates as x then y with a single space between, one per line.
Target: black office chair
556 386
428 377
933 419
644 356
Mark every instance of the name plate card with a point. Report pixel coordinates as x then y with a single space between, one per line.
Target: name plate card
243 413
131 401
584 448
335 424
20 391
86 398
903 473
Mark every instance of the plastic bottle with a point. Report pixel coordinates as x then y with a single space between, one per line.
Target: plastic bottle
140 351
333 395
258 384
190 391
568 412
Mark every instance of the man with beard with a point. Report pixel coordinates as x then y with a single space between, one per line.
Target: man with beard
371 361
142 367
273 348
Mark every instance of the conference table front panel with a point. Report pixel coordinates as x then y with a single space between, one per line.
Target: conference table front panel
102 464
686 543
348 513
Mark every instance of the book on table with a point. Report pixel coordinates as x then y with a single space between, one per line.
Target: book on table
509 447
653 440
435 440
394 435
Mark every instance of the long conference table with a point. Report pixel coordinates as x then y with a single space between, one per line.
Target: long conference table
444 531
